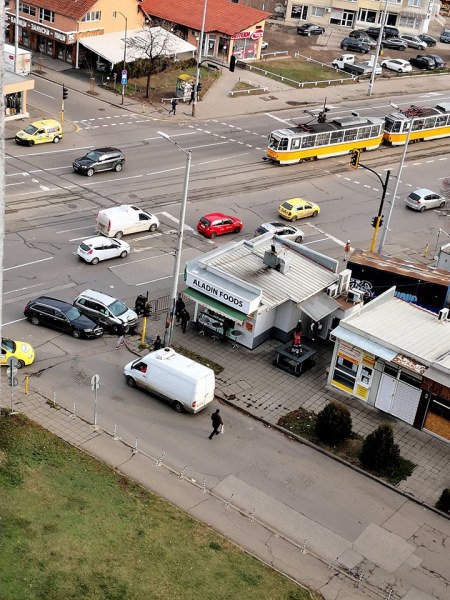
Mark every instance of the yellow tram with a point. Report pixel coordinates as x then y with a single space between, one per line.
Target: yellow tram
322 140
426 124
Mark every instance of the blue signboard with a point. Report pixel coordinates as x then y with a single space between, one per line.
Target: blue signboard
124 77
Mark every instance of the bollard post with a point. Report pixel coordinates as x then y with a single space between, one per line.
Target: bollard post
204 486
360 578
115 436
304 546
180 476
227 504
135 449
73 415
159 461
252 515
27 379
425 252
54 396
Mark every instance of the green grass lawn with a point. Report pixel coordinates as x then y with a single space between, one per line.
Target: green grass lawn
299 70
74 529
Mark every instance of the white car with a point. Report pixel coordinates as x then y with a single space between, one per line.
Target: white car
396 64
289 232
264 45
413 41
424 199
102 248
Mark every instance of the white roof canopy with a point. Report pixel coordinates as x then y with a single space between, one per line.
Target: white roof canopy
110 46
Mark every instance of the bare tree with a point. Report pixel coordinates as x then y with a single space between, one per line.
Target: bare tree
445 187
154 45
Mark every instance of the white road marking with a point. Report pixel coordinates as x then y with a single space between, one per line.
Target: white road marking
174 219
48 152
131 262
207 162
285 121
75 229
325 239
172 135
77 239
42 94
208 145
30 263
16 321
155 280
29 287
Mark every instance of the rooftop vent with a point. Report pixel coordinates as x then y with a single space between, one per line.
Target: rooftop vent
443 314
276 258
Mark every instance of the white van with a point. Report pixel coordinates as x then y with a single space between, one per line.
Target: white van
185 384
125 219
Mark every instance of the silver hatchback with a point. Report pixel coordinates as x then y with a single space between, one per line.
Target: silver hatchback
424 199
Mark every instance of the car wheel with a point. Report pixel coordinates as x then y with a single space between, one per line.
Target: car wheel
365 51
315 213
178 407
130 381
20 364
119 235
308 33
94 261
118 167
294 218
423 208
153 227
34 320
345 47
399 70
56 139
90 172
123 254
212 235
442 204
30 143
237 230
299 239
76 334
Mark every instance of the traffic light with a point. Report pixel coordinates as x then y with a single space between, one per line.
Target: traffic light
374 221
147 310
65 92
232 63
139 305
354 160
381 221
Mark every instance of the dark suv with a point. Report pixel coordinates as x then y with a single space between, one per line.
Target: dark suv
100 159
355 45
388 32
62 316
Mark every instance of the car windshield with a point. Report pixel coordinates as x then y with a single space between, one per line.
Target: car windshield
85 247
415 196
260 230
72 313
92 155
31 129
8 345
287 206
204 221
118 308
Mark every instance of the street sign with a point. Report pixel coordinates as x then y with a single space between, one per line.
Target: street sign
95 382
124 80
11 371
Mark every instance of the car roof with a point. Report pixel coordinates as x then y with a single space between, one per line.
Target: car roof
55 302
216 215
423 192
297 201
101 296
43 122
106 149
95 240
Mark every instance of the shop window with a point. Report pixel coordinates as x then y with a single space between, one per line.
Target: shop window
367 16
26 9
415 3
299 11
409 379
409 22
46 15
438 418
317 11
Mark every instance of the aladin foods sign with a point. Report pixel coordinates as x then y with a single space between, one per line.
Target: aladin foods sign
236 301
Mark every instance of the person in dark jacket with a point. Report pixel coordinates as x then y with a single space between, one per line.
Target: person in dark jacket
120 332
216 423
157 344
185 318
179 307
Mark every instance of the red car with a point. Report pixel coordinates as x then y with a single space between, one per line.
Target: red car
218 224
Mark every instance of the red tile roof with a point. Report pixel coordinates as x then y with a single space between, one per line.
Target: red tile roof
221 15
74 9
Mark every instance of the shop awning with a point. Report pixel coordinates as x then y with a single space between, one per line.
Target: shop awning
216 306
435 374
365 344
318 307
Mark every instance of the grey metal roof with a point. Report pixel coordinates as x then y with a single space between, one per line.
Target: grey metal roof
402 326
303 278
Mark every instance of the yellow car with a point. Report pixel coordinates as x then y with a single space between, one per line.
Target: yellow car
297 208
21 350
40 132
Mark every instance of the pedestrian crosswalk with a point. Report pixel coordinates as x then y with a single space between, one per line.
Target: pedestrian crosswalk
119 120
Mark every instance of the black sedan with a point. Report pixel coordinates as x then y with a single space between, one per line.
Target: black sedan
394 43
310 29
439 63
354 45
429 41
423 62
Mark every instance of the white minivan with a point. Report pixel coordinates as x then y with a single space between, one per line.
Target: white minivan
185 384
122 220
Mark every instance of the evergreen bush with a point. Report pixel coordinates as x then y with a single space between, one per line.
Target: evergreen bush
444 501
334 424
380 452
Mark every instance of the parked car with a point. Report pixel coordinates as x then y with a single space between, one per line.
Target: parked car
445 36
22 352
360 34
264 45
40 132
105 310
62 316
354 45
276 228
413 41
218 224
298 208
100 159
424 199
439 63
102 248
394 43
397 64
388 31
422 62
125 219
429 41
310 29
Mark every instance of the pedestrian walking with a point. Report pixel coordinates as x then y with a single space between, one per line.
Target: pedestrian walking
192 96
179 307
217 422
173 103
120 332
157 344
347 250
185 318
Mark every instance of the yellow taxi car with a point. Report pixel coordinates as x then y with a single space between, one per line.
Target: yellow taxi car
298 208
40 132
21 350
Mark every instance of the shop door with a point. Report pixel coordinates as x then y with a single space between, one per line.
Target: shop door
347 18
405 401
385 393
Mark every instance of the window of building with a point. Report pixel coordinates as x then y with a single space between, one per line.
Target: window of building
46 15
415 3
409 22
317 11
299 11
95 15
367 16
394 1
27 9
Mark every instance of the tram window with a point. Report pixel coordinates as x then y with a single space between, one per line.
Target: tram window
308 141
273 143
430 122
417 124
441 121
322 139
363 133
350 135
395 127
336 137
374 131
295 143
283 144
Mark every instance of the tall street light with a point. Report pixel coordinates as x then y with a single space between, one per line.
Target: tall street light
409 124
199 58
176 267
379 46
115 13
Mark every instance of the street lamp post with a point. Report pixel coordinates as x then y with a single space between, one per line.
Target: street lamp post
410 124
176 267
199 58
115 13
378 48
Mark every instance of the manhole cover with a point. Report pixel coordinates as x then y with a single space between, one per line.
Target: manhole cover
266 98
72 205
295 103
102 109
